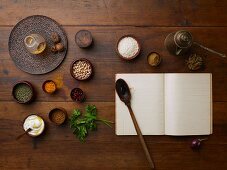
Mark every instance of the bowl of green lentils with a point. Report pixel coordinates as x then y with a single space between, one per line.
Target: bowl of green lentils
23 92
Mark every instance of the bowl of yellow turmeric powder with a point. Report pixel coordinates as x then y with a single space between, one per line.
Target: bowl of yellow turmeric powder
49 86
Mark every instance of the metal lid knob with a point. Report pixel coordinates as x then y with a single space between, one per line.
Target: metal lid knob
183 39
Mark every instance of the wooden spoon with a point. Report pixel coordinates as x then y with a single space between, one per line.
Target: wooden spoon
21 135
125 96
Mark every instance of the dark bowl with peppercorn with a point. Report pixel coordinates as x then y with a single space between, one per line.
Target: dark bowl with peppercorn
77 95
23 92
81 69
58 115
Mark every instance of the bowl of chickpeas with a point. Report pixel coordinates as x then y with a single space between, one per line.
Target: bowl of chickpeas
81 69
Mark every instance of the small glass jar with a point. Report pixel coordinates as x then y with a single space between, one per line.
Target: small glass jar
35 43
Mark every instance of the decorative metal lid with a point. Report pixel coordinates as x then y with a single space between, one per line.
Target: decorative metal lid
183 39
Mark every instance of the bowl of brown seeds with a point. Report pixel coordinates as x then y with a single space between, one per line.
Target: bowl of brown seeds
58 115
81 69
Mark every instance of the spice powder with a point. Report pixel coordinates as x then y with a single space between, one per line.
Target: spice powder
154 59
58 117
50 87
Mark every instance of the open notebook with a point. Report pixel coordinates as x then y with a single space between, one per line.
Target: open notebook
167 104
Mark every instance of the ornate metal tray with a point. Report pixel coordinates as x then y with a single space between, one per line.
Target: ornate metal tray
44 62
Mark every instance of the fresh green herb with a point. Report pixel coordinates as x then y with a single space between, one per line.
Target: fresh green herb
82 124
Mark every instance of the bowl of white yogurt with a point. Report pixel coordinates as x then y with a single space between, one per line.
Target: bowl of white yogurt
35 123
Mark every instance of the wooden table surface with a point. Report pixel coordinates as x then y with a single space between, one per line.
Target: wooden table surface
151 22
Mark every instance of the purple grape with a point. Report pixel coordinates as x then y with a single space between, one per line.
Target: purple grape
196 143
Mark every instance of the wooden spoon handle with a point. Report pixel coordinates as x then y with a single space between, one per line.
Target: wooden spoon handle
21 135
148 156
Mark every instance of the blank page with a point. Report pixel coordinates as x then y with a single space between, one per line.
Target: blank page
147 103
188 104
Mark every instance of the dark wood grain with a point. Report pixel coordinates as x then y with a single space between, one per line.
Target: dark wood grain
150 22
122 12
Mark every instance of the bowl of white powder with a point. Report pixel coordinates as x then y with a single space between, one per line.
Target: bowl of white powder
128 47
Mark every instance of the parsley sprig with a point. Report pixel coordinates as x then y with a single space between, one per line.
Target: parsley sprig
82 124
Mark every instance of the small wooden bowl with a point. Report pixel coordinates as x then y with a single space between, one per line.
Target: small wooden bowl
132 56
71 69
47 81
83 38
29 133
30 86
154 64
82 96
59 110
